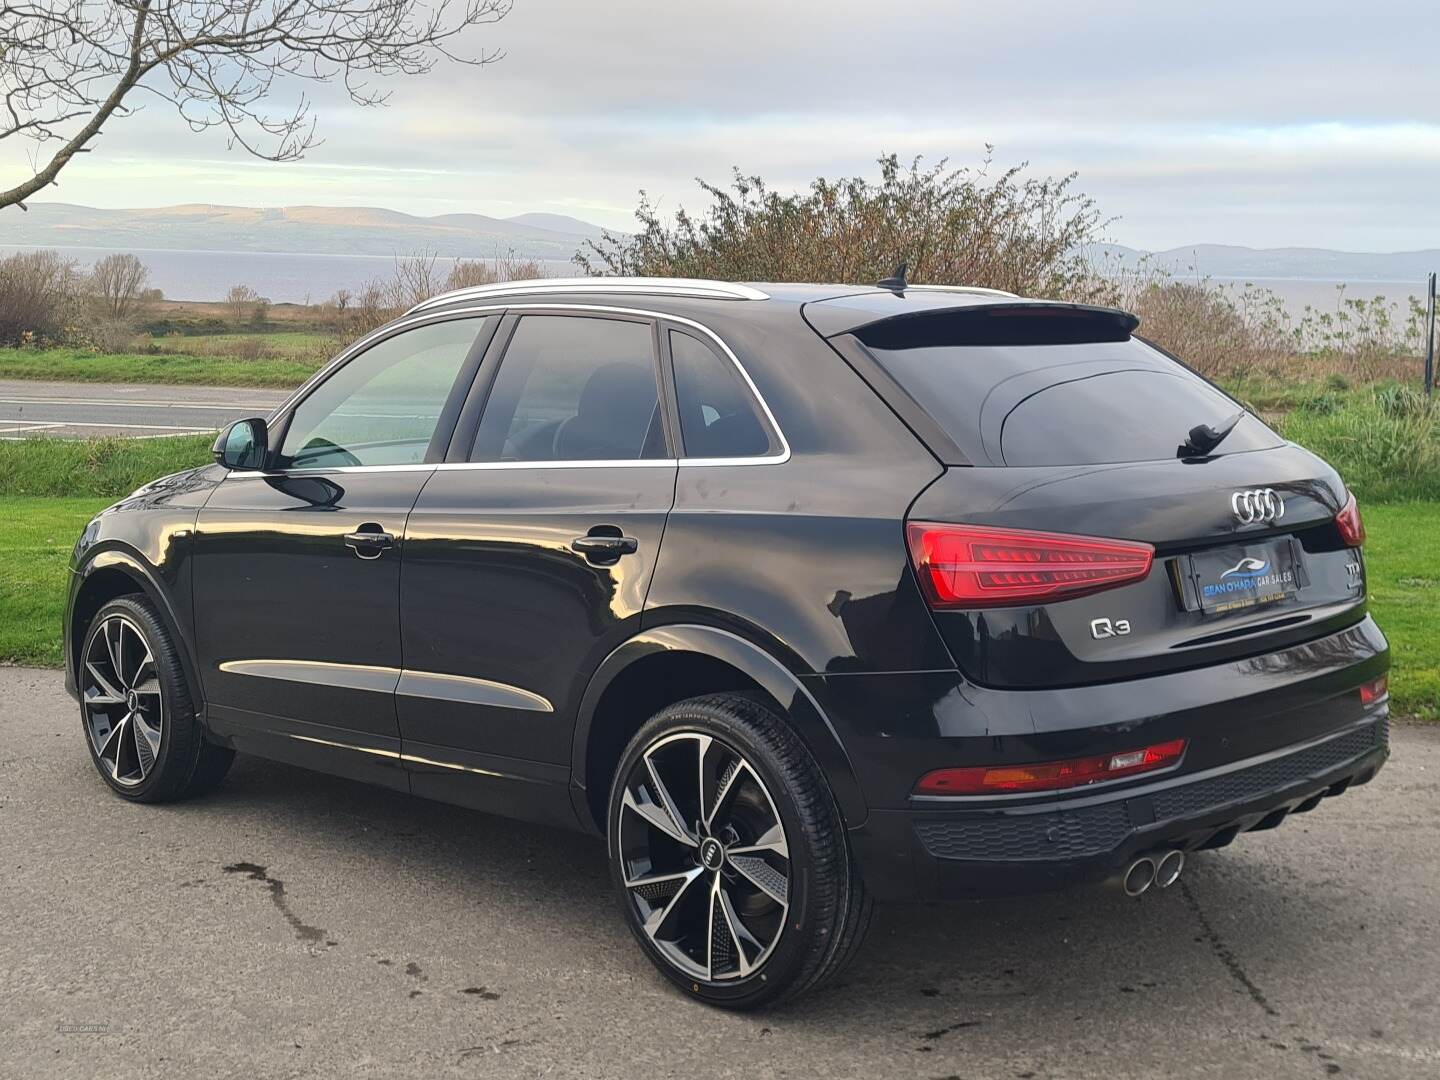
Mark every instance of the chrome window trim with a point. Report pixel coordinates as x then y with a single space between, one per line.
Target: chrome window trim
698 288
974 290
410 320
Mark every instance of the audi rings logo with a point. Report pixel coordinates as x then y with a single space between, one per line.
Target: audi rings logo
1258 505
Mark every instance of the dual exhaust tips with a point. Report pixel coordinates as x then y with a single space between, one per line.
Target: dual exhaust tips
1159 870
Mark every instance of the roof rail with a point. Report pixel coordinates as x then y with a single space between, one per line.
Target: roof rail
975 289
648 286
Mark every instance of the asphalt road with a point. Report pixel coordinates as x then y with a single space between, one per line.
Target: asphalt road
86 410
293 925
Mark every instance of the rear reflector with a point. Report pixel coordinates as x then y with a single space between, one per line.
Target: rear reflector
1348 521
969 566
1050 775
1374 690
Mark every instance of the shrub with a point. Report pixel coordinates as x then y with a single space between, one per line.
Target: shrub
952 226
469 272
249 348
107 334
40 296
241 300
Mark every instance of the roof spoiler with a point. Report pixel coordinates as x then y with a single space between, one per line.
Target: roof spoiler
1026 322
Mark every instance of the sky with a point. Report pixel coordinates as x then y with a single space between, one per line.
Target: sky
1267 123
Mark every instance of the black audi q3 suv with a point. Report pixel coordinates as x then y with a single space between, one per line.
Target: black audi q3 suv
801 596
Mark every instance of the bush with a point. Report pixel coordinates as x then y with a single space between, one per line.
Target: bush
952 226
107 334
40 295
241 300
250 348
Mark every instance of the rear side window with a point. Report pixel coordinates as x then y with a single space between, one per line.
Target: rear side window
1035 392
719 417
572 388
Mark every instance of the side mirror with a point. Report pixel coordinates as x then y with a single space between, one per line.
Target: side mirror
242 445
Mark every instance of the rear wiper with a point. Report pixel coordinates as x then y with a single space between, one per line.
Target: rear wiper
1203 438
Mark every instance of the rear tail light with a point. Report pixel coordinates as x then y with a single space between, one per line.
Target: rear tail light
1374 690
1348 521
965 566
1050 775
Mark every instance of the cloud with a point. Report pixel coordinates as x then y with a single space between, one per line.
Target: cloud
1268 124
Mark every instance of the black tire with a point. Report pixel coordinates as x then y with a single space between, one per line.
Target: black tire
176 763
825 909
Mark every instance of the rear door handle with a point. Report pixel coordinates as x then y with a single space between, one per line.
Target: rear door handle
604 549
369 540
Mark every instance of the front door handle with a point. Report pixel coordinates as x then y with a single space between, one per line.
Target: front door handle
603 549
369 540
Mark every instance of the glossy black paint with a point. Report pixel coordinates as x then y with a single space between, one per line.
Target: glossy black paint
483 660
1178 506
491 549
268 546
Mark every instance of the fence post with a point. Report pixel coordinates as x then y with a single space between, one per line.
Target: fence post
1430 337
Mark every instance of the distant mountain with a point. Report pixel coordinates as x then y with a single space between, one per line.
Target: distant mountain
1258 264
368 230
317 230
562 223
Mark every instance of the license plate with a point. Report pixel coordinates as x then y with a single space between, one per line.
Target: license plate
1231 578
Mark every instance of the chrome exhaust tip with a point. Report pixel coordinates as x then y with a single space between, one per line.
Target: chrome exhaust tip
1167 870
1139 876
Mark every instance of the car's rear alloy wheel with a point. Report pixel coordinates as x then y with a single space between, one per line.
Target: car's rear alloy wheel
705 856
144 736
729 854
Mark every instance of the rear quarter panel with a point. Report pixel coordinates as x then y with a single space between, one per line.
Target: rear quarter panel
805 557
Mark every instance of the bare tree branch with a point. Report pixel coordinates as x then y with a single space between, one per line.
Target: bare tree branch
68 67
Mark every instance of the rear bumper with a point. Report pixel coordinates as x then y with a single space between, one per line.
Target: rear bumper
1265 736
1042 847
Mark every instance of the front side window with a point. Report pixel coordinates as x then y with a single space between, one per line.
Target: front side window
572 388
719 417
380 408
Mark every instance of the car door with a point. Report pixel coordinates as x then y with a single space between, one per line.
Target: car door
297 567
528 556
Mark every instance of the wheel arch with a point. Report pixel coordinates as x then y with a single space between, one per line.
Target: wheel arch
113 573
666 664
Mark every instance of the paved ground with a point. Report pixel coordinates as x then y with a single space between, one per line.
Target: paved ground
85 410
294 925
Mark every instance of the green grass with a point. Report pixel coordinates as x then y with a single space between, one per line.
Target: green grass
1402 554
299 342
1384 440
99 468
80 365
1402 559
34 554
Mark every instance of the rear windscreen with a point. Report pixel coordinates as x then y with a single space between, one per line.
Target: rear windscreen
1078 403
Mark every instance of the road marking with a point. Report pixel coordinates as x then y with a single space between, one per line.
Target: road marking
116 424
120 434
237 407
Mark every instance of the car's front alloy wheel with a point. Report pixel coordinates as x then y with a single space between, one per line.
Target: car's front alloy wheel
120 692
140 723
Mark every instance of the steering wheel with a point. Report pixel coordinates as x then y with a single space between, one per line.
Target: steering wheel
334 455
